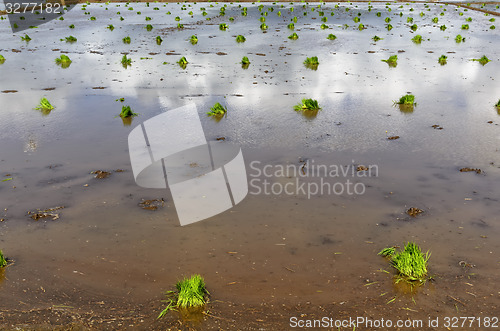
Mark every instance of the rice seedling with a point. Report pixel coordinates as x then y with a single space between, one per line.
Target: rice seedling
407 99
498 104
240 39
293 36
191 293
465 26
126 40
262 19
312 63
435 20
110 27
295 19
2 59
223 26
387 20
324 26
177 18
183 62
483 60
389 27
331 37
64 61
442 60
459 38
126 61
127 112
410 263
263 26
376 38
3 260
180 26
442 27
245 62
148 18
409 20
291 26
356 19
44 105
324 19
217 110
307 105
26 38
70 39
378 14
414 27
193 40
72 26
149 27
392 61
417 39
468 19
159 40
92 18
492 27
361 26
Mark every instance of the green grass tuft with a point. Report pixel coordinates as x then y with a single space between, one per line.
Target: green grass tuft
217 110
44 105
387 252
191 293
307 105
240 39
127 112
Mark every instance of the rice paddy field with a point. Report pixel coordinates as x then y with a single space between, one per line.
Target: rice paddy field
87 248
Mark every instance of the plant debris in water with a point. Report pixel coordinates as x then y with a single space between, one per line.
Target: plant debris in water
152 204
101 174
44 105
466 169
411 263
190 293
307 105
217 110
414 211
49 212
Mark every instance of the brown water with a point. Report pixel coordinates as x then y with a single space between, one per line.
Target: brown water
270 249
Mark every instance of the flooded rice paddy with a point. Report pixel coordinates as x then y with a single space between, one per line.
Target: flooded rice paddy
103 261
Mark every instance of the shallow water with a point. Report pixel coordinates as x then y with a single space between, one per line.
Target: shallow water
106 246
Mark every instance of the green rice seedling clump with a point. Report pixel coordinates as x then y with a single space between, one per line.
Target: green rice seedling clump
217 110
417 39
411 263
70 39
291 26
293 36
459 38
312 62
3 260
498 104
192 292
376 38
442 27
323 26
26 38
392 60
465 26
435 20
149 27
414 27
240 39
126 61
307 105
72 26
2 59
223 26
183 62
263 26
245 61
126 40
407 99
389 27
331 37
193 40
44 105
442 60
64 61
159 40
110 27
387 252
127 112
483 60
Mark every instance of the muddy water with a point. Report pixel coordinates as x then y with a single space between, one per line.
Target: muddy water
276 248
